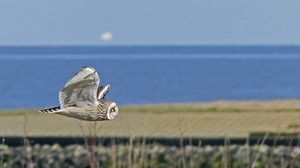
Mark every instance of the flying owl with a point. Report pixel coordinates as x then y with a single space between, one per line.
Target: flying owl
81 98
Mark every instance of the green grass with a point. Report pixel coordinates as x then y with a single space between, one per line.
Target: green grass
278 135
18 112
218 106
161 109
190 108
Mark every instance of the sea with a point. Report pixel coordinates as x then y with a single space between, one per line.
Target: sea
32 76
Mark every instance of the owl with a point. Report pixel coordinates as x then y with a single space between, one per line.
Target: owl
81 98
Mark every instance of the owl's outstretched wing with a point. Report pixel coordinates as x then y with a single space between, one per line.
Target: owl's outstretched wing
102 91
81 90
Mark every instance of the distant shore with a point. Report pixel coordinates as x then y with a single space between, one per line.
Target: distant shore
216 106
152 49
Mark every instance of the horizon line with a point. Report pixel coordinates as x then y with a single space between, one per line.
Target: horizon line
149 45
151 49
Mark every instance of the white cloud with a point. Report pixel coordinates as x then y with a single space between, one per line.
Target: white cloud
106 36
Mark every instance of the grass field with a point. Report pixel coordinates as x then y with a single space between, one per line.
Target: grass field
216 119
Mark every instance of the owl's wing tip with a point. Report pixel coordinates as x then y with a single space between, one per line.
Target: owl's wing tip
102 91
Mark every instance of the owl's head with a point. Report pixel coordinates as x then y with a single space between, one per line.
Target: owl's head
112 111
108 109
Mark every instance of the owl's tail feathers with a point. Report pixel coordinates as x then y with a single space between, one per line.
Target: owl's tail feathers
51 110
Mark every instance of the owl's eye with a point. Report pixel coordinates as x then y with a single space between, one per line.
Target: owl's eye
113 110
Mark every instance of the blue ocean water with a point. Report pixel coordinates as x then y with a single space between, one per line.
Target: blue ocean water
34 80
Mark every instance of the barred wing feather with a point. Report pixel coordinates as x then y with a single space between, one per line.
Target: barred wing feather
81 90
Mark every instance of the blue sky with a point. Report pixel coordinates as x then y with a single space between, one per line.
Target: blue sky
75 22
